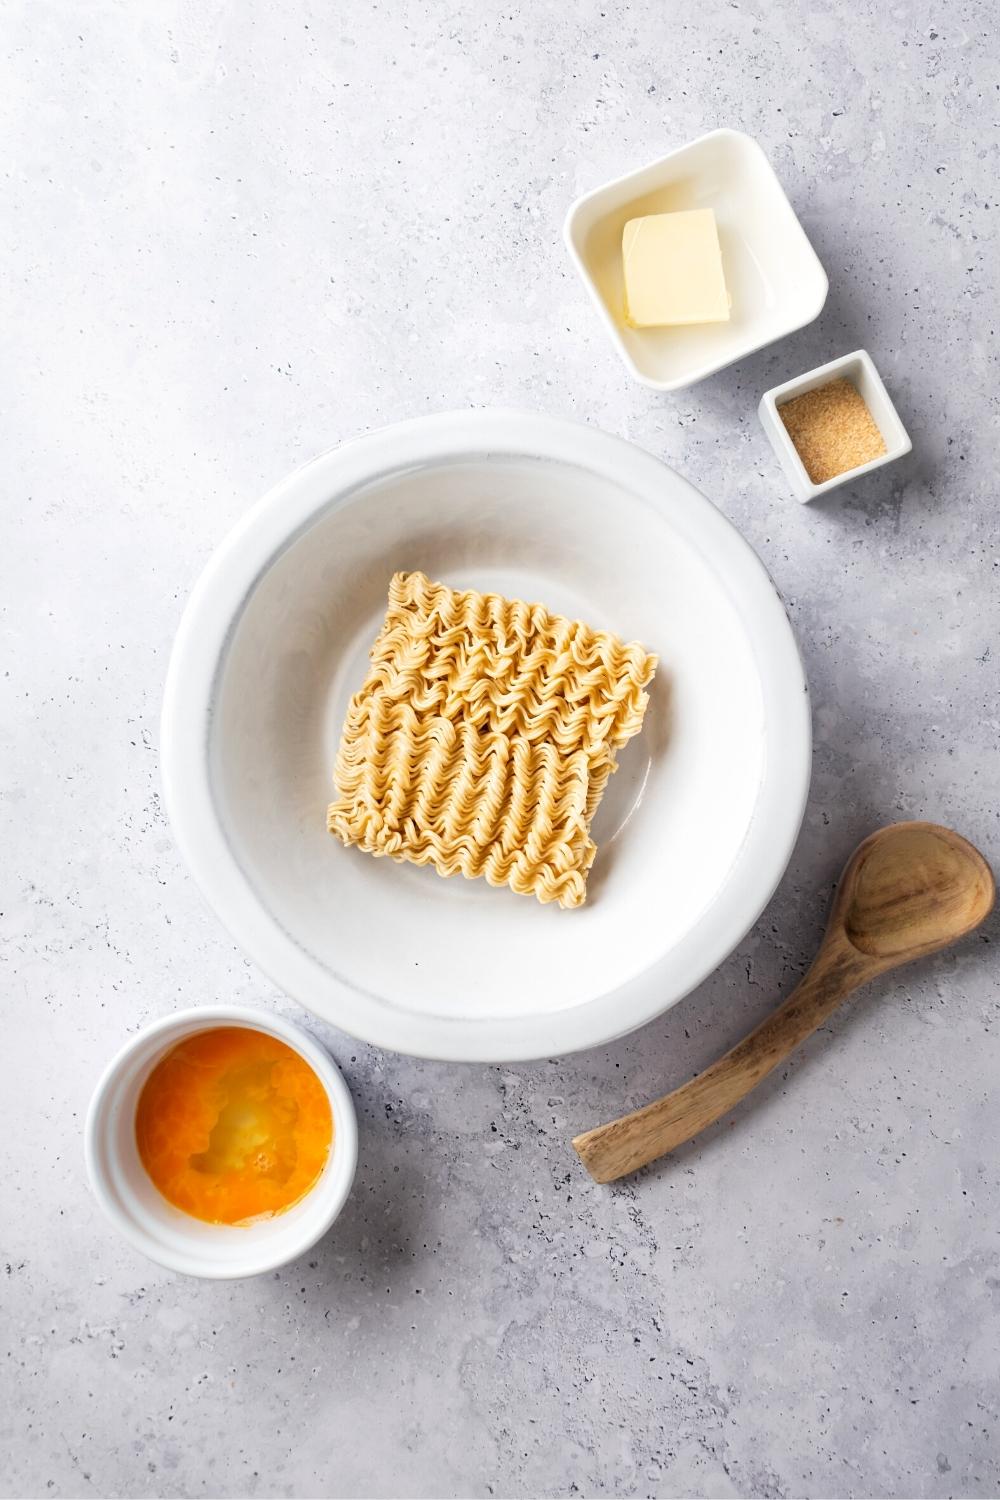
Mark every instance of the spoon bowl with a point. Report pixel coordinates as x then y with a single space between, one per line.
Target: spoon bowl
910 889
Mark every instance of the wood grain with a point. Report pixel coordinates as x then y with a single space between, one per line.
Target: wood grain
908 890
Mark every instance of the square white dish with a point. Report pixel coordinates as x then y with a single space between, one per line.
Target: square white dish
859 368
773 274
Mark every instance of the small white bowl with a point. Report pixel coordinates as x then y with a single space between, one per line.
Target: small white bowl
161 1231
860 370
773 274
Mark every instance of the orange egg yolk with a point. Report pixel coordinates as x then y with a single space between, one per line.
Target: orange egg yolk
232 1125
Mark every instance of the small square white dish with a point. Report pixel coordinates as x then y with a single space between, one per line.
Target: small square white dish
773 274
859 369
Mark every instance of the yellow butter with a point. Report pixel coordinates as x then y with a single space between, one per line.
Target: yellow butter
673 270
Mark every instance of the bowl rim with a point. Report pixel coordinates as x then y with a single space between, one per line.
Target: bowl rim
213 612
328 1195
712 367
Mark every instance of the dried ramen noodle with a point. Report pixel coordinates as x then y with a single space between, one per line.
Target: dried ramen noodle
483 738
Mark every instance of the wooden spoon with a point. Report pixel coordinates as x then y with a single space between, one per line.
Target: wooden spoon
909 889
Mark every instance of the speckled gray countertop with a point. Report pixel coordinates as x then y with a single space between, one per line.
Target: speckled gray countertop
235 233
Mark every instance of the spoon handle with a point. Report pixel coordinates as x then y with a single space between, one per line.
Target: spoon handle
613 1150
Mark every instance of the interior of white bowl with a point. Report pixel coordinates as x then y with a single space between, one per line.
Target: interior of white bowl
694 829
673 818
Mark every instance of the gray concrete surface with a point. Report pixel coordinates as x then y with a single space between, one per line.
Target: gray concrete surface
236 233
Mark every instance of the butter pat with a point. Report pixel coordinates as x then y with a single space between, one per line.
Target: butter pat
673 270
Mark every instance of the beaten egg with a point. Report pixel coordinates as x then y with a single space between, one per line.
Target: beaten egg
233 1125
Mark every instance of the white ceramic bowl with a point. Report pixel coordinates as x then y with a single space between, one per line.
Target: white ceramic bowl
695 829
773 274
162 1232
860 369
